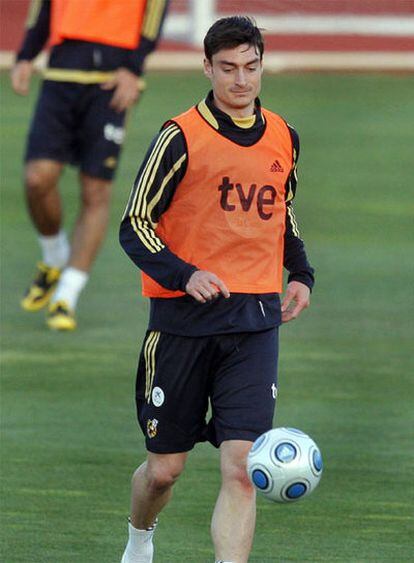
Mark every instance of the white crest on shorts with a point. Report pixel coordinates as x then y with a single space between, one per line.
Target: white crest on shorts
274 390
114 134
158 396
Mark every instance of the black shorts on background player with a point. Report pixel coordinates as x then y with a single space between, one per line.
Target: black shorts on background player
74 124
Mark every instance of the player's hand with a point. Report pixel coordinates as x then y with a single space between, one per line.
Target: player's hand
297 298
126 89
205 286
20 75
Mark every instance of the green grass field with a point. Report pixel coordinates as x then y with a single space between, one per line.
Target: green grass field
69 437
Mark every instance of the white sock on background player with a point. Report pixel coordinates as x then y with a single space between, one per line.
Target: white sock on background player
55 249
140 548
71 283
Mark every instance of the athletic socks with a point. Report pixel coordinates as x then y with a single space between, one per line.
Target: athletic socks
55 253
55 249
140 548
70 285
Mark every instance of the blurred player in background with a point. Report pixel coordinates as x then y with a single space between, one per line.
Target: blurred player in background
210 223
98 51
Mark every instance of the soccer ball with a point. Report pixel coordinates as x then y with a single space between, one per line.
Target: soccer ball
284 464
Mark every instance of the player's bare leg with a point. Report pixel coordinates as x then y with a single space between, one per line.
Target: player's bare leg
87 238
44 206
46 212
234 517
92 222
152 485
42 195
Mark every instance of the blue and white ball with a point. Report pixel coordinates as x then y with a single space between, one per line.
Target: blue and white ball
285 465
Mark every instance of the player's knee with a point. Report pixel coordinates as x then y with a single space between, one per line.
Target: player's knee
234 474
95 194
39 179
162 477
160 480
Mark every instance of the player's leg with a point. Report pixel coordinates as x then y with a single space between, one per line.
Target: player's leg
234 516
44 206
97 149
171 399
152 485
99 141
88 235
92 222
245 377
42 195
48 148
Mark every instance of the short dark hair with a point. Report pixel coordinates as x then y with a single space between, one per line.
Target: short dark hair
227 33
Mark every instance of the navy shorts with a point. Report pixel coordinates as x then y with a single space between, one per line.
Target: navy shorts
215 388
73 123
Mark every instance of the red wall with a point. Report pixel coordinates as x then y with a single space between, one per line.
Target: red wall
13 14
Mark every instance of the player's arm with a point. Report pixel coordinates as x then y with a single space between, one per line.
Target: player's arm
163 168
127 89
301 274
295 257
37 33
155 13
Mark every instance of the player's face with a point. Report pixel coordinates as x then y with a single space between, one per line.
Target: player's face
235 75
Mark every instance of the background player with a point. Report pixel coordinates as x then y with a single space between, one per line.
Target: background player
210 223
98 54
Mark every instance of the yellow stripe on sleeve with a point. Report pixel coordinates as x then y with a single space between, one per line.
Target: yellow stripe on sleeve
142 209
146 235
153 16
141 227
137 208
167 178
290 194
293 221
161 144
34 10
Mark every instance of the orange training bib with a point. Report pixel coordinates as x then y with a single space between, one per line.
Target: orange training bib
227 215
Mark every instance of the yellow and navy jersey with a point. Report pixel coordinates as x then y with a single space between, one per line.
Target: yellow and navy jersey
161 172
75 60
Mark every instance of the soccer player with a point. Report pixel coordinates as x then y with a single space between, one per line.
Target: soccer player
210 223
96 61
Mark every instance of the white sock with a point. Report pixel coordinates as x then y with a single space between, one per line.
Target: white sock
140 548
55 249
70 285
